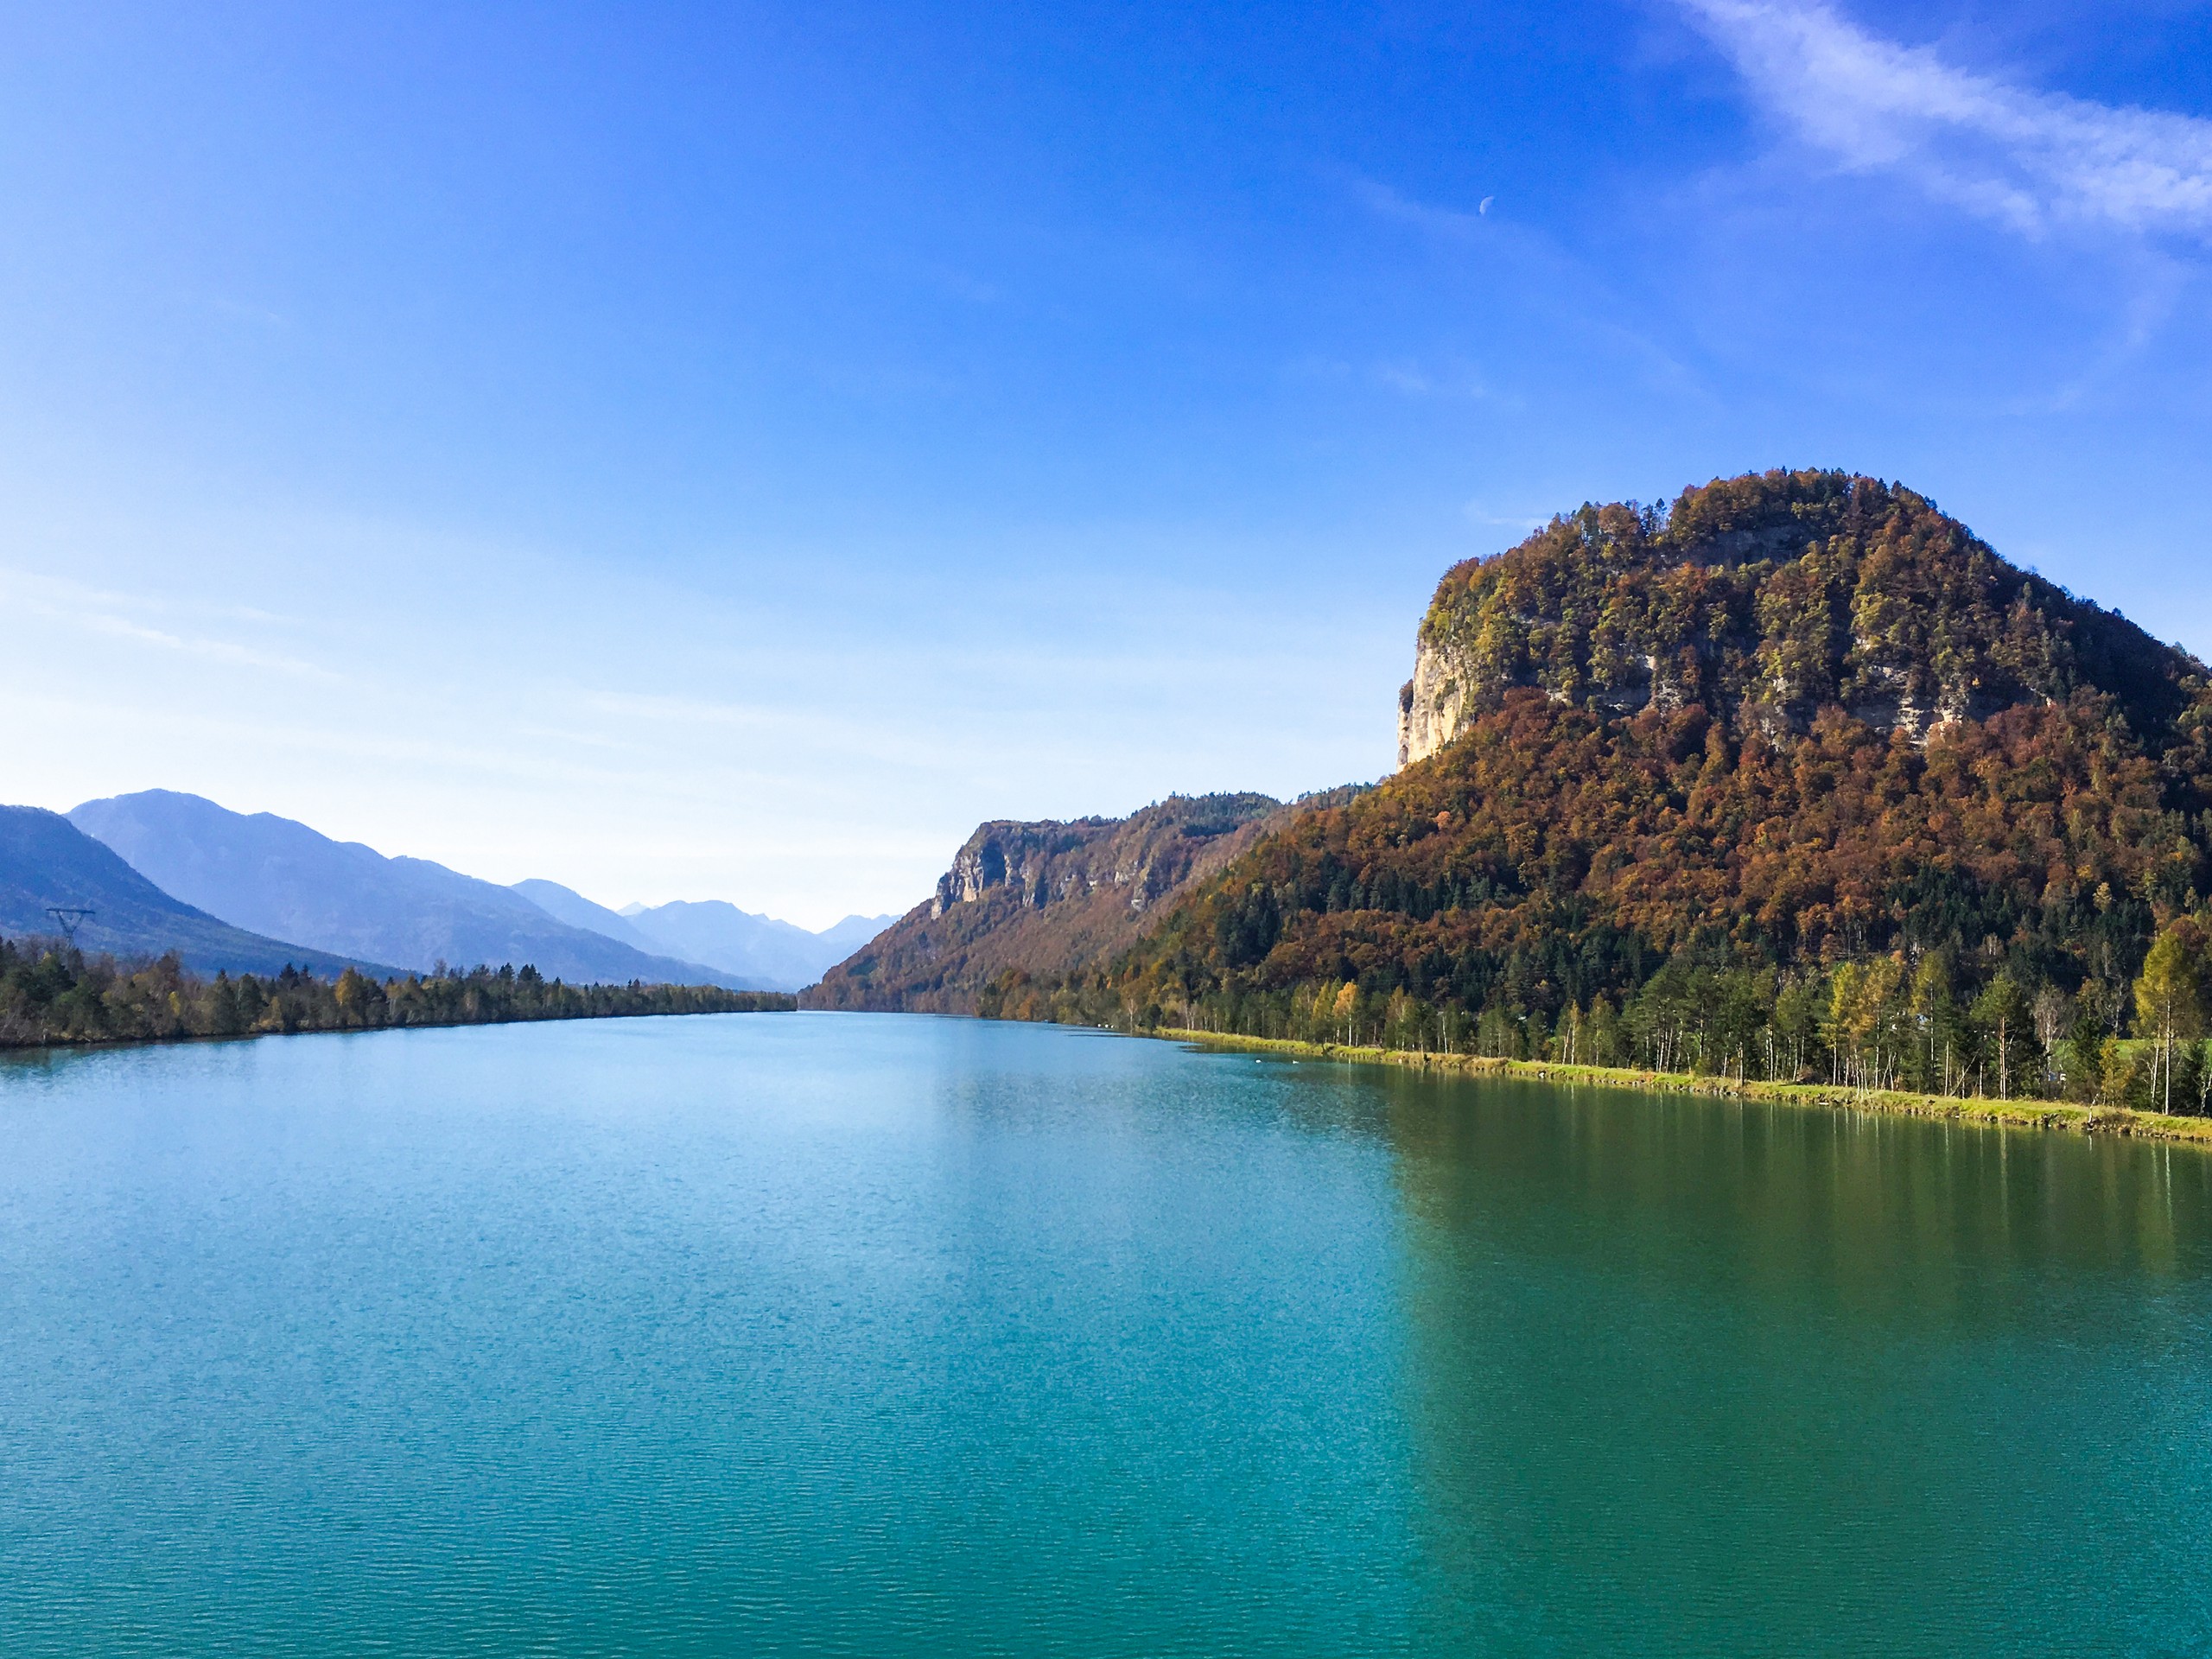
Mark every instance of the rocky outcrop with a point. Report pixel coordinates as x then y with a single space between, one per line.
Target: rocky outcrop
1432 706
1134 859
1042 897
1764 599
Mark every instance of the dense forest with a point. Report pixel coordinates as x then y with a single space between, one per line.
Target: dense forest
1795 779
51 993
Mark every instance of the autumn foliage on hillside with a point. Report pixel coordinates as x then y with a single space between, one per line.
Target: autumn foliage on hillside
1769 598
1797 777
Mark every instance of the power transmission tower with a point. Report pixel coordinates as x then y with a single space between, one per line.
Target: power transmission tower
70 918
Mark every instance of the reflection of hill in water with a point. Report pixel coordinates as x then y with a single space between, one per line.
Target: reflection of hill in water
1691 1376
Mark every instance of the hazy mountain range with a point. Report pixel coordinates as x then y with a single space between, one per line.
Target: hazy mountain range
46 862
718 931
779 955
282 887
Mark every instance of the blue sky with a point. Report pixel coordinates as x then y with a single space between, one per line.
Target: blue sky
728 451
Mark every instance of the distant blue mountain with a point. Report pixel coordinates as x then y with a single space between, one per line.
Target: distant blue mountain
46 860
849 935
566 905
784 955
778 954
276 876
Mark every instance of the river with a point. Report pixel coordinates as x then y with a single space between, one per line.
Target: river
873 1335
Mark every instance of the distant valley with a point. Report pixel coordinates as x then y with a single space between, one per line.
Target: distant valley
780 955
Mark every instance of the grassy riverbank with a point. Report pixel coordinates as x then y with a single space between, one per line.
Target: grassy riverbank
2011 1114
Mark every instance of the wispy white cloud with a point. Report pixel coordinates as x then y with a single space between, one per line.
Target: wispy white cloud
94 611
2035 161
1547 276
1411 378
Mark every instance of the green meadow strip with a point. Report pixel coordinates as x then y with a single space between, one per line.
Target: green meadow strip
2008 1114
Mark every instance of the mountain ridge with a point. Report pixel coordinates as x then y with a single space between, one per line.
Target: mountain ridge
276 875
779 953
566 905
47 861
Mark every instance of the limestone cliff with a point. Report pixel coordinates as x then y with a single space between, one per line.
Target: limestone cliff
1432 706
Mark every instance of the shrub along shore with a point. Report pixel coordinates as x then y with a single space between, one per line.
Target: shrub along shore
52 994
2009 1114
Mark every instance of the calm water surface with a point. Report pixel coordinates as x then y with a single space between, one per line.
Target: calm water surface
838 1334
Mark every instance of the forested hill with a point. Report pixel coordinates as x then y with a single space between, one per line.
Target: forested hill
1798 774
1767 600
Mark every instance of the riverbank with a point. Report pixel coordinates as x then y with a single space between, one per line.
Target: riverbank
2008 1114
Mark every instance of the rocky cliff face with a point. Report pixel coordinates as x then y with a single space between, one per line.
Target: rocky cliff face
1766 599
1041 898
1134 860
1432 706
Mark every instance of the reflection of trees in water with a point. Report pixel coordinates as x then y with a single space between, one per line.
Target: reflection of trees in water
1718 1376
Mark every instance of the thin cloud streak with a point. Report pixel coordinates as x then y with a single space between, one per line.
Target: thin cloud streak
2034 161
28 597
1571 290
1381 199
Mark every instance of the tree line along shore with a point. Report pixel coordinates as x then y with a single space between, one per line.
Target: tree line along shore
1884 1026
2031 1113
53 994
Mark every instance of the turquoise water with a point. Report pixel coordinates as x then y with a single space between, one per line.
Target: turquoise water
845 1334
